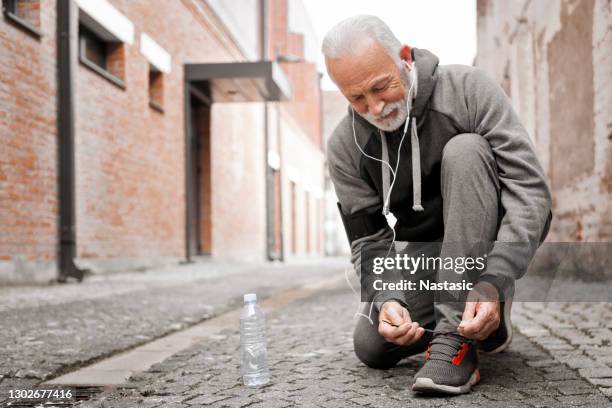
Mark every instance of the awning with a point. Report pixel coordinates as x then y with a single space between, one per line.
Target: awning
240 81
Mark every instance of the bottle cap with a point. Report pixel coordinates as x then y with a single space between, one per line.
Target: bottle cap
250 297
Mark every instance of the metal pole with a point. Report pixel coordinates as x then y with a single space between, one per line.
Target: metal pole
188 170
279 143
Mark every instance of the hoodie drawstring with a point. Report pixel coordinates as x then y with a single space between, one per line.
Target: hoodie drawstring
416 169
386 179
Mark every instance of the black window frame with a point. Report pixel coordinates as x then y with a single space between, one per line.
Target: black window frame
8 9
86 34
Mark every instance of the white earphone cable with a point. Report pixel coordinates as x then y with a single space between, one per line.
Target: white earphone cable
364 153
386 200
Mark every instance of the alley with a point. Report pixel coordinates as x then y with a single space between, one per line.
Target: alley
310 344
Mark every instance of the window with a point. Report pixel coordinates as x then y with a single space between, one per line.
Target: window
160 62
24 13
156 88
107 58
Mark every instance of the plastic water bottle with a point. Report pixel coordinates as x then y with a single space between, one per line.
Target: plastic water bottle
253 352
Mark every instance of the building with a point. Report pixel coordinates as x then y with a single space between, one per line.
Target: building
147 132
554 59
335 108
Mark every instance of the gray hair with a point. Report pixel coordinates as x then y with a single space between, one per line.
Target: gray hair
341 39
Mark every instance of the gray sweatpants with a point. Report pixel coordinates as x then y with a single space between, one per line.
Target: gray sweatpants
472 213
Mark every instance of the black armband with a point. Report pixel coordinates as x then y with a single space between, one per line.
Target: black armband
363 222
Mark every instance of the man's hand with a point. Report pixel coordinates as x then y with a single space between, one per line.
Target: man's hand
481 314
395 325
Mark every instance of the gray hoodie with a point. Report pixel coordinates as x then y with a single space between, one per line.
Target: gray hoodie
450 100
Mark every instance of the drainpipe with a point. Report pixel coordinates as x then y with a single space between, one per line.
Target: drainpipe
269 196
67 37
269 173
279 143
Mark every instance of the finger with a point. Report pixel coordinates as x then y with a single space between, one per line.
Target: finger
420 333
473 328
392 335
412 329
387 322
385 330
479 321
468 314
391 332
414 334
404 339
401 330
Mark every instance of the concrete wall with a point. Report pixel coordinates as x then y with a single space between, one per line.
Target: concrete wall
302 164
296 135
554 59
238 184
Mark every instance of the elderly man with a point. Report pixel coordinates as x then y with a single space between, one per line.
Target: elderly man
466 174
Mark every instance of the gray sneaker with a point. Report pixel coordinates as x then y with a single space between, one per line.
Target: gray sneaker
451 366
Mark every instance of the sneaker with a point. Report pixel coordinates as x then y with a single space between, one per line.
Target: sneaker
501 338
451 366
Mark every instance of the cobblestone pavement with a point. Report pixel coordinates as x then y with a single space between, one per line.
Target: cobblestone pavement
312 364
49 330
577 334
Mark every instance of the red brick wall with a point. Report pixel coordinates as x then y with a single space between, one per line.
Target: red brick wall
131 157
28 194
305 107
130 182
304 77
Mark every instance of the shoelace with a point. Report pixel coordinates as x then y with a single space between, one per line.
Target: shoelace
427 330
453 351
447 346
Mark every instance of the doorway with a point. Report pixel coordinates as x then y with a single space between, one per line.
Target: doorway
199 194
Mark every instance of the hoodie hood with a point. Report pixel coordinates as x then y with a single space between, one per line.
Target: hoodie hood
427 64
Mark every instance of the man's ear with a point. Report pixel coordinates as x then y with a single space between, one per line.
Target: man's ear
406 53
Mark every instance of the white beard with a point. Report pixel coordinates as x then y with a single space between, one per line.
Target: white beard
389 125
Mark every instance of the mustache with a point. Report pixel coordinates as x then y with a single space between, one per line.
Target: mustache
386 110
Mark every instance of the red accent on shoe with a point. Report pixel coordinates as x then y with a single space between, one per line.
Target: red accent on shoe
460 354
428 351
